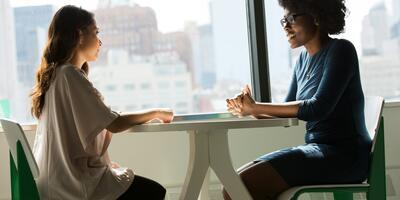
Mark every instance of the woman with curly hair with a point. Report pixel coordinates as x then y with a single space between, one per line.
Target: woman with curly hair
75 127
325 92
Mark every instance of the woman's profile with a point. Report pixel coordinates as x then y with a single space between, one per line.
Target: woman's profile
75 127
325 92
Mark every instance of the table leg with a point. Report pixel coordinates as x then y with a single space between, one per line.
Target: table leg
198 165
220 162
204 193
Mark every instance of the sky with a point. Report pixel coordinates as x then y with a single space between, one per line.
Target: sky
171 17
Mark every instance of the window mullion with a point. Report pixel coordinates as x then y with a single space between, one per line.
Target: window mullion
258 50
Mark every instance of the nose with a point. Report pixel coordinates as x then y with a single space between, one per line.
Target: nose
100 42
287 28
286 25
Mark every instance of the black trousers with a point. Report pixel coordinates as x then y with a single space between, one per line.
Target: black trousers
144 188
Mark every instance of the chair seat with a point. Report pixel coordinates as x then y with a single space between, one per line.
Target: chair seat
288 194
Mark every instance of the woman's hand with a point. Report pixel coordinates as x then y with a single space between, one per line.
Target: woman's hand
127 120
246 90
242 104
114 165
246 107
232 105
165 115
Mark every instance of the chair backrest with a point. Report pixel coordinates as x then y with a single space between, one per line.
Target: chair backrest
375 125
373 112
14 133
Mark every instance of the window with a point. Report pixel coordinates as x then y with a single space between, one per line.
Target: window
181 104
129 87
203 59
180 84
110 88
372 26
145 86
130 108
163 85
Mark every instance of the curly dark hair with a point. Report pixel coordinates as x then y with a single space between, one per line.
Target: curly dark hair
329 13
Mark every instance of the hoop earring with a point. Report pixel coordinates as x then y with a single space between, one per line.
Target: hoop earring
316 22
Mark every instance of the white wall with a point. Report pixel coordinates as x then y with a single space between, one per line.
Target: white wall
164 156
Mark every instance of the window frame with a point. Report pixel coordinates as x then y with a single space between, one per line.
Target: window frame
258 48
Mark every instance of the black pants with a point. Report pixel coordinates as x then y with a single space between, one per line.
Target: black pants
144 188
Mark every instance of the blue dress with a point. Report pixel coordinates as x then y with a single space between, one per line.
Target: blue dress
337 144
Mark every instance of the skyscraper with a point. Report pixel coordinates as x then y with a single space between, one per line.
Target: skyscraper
132 28
31 24
395 29
202 42
396 11
379 66
375 30
206 56
7 59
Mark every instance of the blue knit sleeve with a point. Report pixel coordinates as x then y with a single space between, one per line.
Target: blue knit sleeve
291 96
292 92
340 66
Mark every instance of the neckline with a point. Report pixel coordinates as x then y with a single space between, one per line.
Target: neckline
322 49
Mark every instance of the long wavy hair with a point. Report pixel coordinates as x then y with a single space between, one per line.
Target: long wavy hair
62 41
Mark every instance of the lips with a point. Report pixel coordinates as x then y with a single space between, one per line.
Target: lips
290 36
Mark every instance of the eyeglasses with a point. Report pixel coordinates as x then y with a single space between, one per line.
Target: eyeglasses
291 19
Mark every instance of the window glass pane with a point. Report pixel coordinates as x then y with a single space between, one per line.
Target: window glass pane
189 55
379 45
279 54
372 26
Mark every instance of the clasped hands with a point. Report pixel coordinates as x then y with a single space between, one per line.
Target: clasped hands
242 104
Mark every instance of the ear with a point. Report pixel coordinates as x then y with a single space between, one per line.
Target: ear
80 37
316 21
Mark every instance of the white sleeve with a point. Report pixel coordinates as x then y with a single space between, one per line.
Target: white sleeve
88 110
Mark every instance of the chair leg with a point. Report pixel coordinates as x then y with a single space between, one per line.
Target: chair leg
377 177
343 195
14 180
27 185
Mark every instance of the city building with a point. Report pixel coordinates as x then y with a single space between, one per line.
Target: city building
8 63
133 28
375 30
31 24
379 64
202 42
159 80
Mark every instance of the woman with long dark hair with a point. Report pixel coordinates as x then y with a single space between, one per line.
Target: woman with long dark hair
75 126
325 92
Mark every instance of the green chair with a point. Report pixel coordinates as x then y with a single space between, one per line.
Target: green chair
375 185
23 167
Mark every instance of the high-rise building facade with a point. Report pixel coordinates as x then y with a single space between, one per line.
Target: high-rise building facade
375 30
31 24
7 60
132 28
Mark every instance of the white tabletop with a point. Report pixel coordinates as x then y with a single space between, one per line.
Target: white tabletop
217 123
